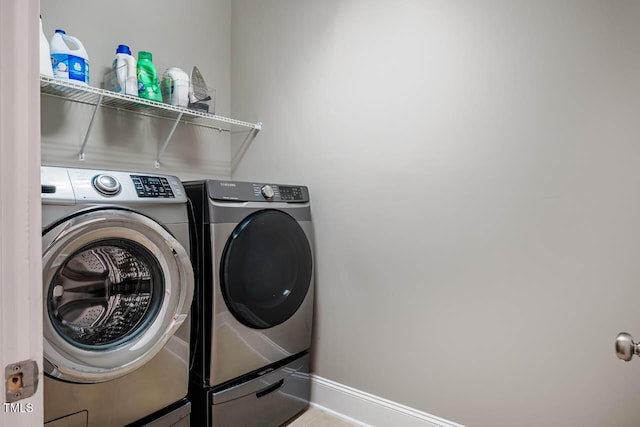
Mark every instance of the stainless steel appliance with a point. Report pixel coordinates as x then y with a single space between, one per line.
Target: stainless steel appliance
118 286
254 302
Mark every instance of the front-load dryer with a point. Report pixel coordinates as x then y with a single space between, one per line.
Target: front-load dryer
253 309
117 290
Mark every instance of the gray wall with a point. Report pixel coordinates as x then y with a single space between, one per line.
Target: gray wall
474 169
179 35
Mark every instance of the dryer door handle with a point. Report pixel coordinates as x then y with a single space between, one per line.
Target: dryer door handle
270 389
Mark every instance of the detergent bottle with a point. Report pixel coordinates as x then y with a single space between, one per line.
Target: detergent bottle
69 58
148 84
175 87
125 68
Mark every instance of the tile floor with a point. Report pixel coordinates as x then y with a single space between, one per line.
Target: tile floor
314 417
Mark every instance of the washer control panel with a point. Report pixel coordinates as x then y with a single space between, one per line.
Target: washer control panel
257 192
152 186
100 186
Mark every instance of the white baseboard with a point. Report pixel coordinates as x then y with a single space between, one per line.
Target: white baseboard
367 410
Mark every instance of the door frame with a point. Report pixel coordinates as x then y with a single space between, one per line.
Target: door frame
20 209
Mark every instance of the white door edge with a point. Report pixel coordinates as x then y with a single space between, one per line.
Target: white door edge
20 208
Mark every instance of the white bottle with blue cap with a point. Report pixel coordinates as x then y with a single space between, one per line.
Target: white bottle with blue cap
124 67
69 58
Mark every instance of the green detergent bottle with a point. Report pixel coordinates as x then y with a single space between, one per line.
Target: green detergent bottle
148 84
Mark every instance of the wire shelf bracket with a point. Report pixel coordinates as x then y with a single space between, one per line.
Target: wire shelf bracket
86 136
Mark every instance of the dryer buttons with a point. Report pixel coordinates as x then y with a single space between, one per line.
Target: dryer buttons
106 185
291 193
267 191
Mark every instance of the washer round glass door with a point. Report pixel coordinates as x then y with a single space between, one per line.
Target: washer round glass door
266 269
116 287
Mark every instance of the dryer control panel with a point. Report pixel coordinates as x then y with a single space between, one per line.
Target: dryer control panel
257 192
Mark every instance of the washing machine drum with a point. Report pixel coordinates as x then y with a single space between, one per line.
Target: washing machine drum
116 287
266 269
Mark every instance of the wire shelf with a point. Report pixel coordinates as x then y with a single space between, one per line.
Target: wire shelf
81 93
85 94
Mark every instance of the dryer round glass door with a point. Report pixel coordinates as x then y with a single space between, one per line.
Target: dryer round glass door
266 269
116 287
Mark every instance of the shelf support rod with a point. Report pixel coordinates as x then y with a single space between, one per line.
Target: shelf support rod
166 142
245 144
86 136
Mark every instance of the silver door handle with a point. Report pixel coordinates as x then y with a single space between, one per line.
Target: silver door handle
625 347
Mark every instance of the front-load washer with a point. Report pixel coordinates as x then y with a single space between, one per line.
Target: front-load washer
117 289
253 308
